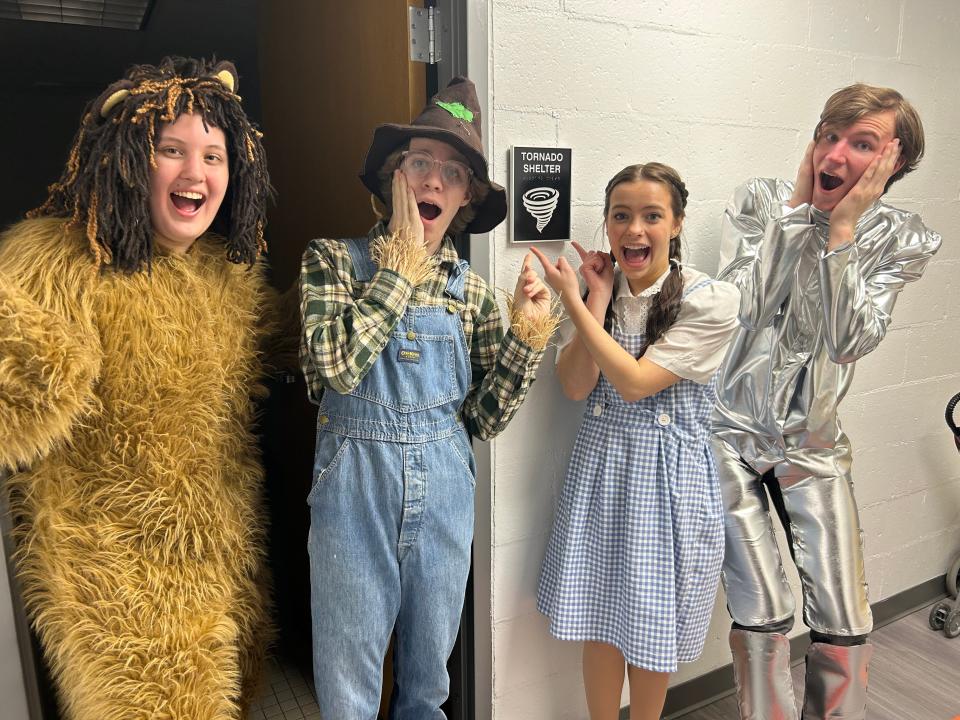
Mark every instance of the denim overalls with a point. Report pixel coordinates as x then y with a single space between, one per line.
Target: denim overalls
391 511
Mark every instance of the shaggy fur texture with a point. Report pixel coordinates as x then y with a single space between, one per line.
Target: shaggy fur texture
139 526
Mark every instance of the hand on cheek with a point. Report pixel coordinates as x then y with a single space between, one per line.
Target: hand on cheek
406 217
869 188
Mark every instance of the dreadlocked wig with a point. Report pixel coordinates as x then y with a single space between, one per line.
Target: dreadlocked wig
127 413
105 186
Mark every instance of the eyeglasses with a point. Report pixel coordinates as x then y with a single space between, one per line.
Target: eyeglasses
418 165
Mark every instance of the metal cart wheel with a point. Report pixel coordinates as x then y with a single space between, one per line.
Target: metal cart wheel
953 418
947 614
953 578
939 614
951 627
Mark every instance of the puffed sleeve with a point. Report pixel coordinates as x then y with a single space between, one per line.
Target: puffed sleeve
696 343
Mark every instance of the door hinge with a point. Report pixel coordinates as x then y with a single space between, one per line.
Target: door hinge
424 36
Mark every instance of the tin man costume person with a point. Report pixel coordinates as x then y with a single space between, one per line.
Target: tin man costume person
819 263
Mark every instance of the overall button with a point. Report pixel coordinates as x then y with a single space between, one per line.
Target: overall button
663 419
324 419
451 308
411 335
597 410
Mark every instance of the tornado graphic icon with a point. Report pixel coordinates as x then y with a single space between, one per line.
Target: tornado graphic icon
541 202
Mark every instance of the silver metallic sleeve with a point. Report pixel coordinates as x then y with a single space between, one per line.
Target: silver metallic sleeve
857 306
764 244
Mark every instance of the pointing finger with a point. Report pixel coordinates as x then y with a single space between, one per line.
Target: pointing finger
527 262
544 260
580 251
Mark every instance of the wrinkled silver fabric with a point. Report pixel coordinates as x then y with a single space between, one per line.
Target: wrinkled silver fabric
806 316
761 671
827 548
758 593
836 682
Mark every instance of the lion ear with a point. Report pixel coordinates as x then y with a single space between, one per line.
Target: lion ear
226 73
111 97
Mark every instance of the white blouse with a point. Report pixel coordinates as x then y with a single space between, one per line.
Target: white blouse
694 346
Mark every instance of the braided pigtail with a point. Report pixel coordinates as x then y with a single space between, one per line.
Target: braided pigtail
666 303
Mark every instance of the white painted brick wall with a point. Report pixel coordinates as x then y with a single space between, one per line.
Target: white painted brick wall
722 91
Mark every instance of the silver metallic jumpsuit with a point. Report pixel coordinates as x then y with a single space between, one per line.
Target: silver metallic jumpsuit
806 316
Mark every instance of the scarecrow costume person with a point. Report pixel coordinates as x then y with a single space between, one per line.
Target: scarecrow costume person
405 353
820 263
129 356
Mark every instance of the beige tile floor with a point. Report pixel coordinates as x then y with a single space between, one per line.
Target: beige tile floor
287 695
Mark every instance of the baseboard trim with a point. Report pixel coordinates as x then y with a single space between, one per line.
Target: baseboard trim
716 684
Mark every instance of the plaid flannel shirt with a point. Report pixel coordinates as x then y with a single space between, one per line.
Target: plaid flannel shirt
347 323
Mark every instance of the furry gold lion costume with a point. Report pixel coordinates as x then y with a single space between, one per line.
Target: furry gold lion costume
126 412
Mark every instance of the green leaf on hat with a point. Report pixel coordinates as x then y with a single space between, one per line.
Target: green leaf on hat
458 110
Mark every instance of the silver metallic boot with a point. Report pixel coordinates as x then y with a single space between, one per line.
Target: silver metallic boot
761 668
836 682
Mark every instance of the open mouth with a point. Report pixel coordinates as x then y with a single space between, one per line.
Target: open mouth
636 254
830 182
428 211
186 201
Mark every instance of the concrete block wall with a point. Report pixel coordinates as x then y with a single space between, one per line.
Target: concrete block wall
721 91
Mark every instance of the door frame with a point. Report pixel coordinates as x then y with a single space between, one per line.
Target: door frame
470 40
30 701
453 62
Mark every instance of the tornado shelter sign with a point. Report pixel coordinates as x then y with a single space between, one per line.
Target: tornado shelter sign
540 185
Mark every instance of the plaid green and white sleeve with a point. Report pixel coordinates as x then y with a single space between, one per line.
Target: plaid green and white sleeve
503 367
342 335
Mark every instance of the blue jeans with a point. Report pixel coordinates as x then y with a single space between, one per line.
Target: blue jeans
388 551
392 520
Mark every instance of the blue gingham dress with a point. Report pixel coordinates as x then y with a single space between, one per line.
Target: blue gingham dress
635 554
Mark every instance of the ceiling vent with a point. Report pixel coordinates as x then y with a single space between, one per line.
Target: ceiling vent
123 14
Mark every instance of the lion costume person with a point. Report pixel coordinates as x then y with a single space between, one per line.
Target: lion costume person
129 366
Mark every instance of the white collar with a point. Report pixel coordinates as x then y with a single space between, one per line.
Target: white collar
623 286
